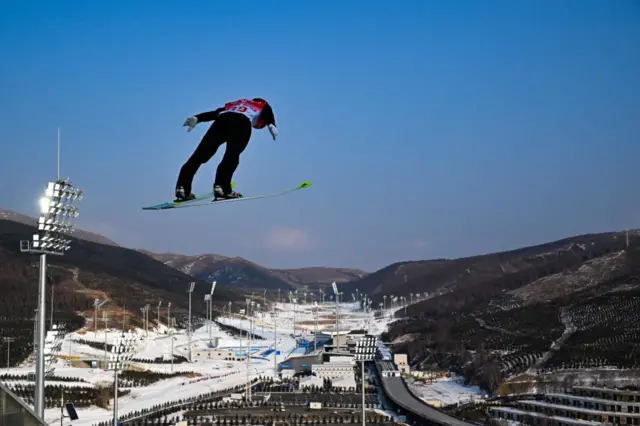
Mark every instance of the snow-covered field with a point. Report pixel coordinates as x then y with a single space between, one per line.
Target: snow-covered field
215 374
446 391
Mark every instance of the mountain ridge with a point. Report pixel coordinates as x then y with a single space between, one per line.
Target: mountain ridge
82 234
237 271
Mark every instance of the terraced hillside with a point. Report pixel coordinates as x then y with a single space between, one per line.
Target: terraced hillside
524 265
575 312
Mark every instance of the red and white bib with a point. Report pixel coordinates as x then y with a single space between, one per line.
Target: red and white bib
250 109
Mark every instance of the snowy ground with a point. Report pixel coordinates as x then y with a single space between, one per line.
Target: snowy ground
218 374
446 391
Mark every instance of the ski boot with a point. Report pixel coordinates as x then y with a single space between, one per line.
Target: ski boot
219 194
181 195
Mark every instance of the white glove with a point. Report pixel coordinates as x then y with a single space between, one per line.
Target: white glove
273 130
190 123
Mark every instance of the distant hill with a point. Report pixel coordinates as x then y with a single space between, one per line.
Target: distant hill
530 315
32 221
127 278
446 275
241 273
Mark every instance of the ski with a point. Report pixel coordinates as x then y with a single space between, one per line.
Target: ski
173 204
205 199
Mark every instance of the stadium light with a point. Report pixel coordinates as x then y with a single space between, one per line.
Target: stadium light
105 318
121 354
192 285
207 303
274 317
97 304
213 288
57 209
52 347
365 351
315 329
334 286
8 341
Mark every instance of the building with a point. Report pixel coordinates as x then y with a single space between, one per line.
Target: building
333 370
217 354
582 406
400 360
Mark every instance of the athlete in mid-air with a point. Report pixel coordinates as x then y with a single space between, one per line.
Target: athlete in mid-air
231 124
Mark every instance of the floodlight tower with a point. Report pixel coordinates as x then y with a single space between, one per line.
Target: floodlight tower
56 211
207 302
172 325
8 341
97 304
147 307
315 329
121 353
213 288
248 354
334 286
105 318
159 304
168 314
190 291
275 348
365 351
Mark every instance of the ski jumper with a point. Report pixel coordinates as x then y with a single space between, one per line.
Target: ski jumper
231 124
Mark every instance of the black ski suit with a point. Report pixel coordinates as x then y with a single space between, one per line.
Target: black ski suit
233 128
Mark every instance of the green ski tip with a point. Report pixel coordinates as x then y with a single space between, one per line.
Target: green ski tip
304 185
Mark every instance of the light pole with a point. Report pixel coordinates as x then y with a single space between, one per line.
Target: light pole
207 302
8 341
213 288
275 347
121 353
337 294
147 308
51 320
315 329
172 322
248 355
56 212
159 304
190 291
97 304
365 351
105 318
168 313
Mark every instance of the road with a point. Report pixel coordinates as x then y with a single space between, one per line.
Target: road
397 391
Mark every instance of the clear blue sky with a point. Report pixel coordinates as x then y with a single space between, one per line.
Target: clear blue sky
429 128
